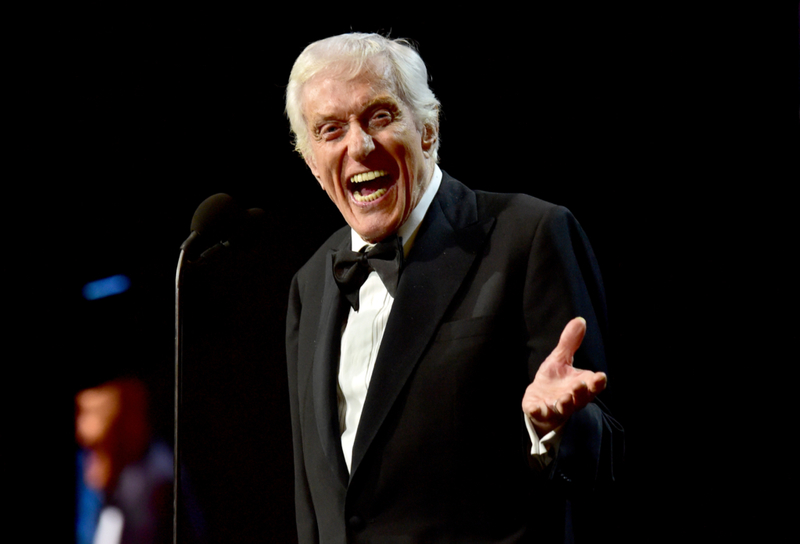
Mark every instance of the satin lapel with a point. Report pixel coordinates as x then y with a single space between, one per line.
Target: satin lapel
443 253
325 370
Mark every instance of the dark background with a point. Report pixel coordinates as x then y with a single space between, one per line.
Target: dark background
659 128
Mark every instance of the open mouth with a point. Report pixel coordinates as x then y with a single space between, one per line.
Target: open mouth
370 186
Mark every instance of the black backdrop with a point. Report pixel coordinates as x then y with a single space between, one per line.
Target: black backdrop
622 114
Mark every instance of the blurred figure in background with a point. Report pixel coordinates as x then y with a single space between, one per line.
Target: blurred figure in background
124 475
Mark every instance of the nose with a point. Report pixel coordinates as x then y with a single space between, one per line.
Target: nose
360 143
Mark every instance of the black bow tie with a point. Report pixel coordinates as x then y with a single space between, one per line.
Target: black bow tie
350 269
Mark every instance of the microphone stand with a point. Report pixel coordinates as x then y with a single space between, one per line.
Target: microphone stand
214 215
178 378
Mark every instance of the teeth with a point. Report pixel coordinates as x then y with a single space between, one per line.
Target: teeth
377 194
367 176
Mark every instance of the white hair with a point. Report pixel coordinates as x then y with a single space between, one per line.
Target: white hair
354 54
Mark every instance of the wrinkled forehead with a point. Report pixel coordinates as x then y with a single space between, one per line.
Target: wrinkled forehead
374 71
376 68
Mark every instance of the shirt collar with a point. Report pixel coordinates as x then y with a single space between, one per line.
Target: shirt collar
408 230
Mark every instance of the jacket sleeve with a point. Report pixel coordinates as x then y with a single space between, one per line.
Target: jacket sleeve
563 282
304 507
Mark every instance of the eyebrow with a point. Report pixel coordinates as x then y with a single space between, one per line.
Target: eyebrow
381 100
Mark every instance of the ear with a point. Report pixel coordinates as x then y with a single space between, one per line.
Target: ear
429 135
312 165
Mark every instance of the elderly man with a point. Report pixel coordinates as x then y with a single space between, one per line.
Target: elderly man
415 332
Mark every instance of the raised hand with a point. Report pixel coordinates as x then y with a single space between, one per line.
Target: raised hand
559 390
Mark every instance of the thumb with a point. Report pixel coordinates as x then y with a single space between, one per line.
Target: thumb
571 338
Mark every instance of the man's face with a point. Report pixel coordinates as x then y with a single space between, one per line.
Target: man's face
366 151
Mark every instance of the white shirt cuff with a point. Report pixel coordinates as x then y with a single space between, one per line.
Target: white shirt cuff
546 447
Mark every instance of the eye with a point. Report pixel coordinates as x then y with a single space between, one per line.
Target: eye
329 131
381 118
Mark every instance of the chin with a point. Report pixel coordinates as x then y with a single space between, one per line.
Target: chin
375 234
376 226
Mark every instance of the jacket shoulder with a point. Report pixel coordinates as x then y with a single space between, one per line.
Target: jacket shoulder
318 260
516 207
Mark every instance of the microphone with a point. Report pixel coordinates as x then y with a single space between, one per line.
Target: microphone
211 219
255 223
218 220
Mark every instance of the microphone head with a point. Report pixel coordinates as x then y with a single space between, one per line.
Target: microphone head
219 221
256 220
216 216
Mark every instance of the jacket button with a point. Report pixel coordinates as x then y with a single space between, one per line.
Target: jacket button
355 523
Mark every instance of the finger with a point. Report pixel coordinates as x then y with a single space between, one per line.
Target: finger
596 382
552 413
529 407
571 338
532 404
538 412
544 419
547 410
582 395
564 406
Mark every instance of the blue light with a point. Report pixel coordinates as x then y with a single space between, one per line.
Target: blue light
106 287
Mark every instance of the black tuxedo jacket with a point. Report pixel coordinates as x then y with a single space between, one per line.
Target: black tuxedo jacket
441 451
